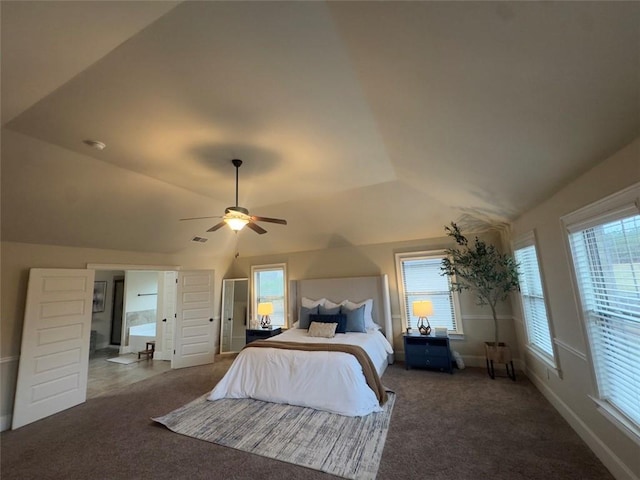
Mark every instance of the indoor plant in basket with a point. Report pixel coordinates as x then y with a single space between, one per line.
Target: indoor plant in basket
491 275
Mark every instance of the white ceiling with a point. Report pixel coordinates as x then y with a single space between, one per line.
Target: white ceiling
358 122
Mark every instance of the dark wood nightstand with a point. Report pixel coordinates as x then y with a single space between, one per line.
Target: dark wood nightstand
262 333
427 351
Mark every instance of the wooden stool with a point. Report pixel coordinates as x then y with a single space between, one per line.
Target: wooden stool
150 348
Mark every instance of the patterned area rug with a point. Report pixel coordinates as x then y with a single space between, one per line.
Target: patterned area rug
348 447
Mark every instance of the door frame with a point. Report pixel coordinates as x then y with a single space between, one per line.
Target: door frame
158 268
135 267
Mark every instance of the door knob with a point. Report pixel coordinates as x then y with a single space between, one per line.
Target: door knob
164 319
211 319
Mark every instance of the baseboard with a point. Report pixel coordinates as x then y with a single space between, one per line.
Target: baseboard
474 360
5 422
617 468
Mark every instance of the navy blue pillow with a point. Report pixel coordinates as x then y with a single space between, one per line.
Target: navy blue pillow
329 311
339 318
303 316
355 319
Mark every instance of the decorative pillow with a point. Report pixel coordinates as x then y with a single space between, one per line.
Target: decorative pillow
340 319
325 330
303 316
330 304
324 310
368 309
307 302
355 318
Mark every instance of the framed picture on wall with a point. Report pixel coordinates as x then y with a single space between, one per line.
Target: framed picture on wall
99 296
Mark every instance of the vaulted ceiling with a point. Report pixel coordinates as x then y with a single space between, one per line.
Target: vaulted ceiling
358 122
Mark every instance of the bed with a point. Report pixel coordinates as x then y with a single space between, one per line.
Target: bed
332 381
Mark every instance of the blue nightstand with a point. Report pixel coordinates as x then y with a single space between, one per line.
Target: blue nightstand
427 351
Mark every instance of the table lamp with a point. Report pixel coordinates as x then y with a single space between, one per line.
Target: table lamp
265 309
422 309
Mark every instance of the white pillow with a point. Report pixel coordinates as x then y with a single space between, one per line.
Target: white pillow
330 304
308 303
325 330
368 312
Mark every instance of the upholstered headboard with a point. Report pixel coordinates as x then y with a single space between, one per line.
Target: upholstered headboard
356 289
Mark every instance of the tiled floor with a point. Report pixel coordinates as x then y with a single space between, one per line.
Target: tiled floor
106 376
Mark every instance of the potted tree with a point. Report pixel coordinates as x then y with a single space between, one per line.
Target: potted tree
491 275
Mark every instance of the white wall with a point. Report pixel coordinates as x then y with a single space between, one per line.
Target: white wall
138 285
570 392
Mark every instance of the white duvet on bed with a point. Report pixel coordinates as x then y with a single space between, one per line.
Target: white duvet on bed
329 381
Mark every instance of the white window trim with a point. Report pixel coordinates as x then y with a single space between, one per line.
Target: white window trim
254 296
618 205
526 240
455 334
623 203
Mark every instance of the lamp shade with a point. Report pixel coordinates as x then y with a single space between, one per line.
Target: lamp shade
423 308
265 308
236 223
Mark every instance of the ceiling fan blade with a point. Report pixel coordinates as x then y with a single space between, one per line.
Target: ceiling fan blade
217 226
267 219
200 218
256 228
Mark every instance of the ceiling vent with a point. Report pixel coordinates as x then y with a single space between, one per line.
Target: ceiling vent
199 239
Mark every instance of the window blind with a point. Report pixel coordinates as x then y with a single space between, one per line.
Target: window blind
421 280
532 297
607 264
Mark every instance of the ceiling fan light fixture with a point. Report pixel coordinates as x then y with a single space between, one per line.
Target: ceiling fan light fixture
236 223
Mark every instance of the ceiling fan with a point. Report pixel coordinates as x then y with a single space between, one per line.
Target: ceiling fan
237 217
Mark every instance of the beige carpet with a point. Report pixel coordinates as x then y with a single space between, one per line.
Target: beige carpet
463 426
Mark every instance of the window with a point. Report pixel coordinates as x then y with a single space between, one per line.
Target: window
269 285
532 298
420 279
605 246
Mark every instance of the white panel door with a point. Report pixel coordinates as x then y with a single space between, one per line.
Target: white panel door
168 314
228 287
195 336
54 358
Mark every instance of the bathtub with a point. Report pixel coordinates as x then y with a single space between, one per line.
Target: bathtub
139 335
